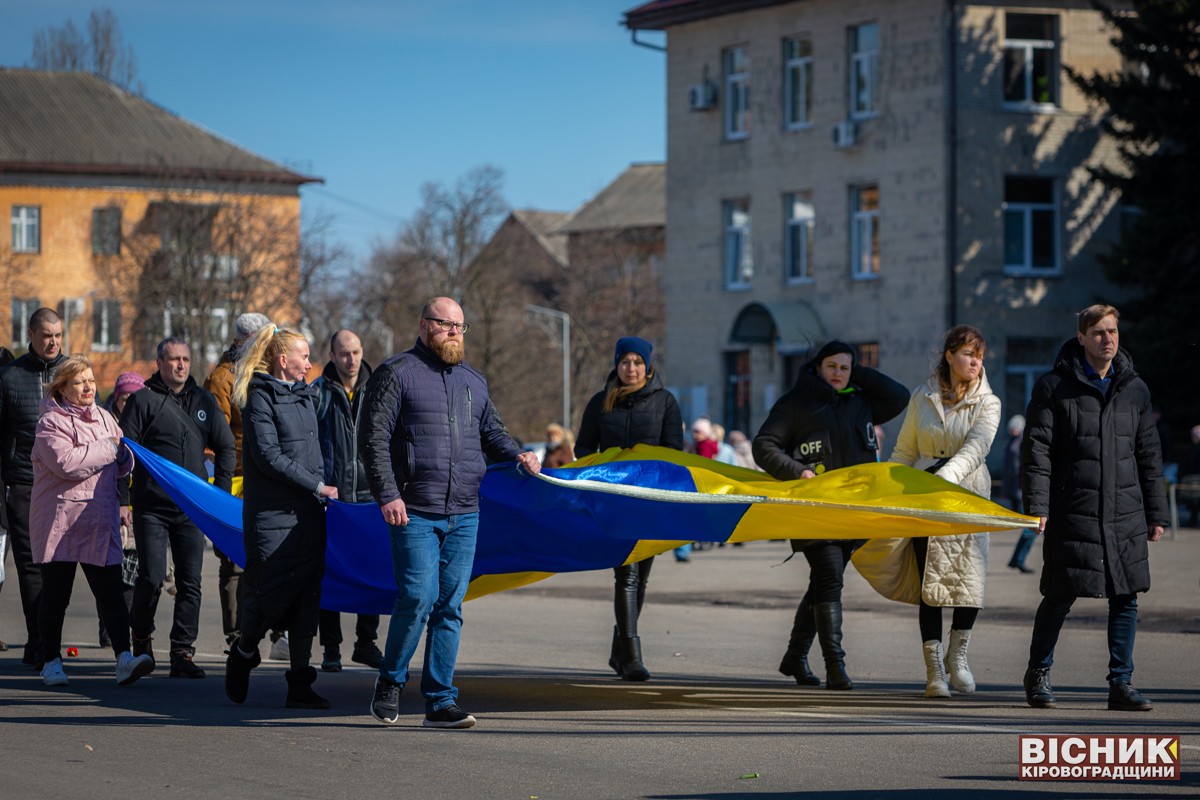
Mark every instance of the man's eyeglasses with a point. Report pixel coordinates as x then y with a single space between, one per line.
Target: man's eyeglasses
447 325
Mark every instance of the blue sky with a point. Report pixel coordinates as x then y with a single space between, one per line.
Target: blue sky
381 96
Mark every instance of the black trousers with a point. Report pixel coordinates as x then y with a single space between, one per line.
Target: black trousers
827 562
629 581
29 574
153 532
366 629
58 580
286 601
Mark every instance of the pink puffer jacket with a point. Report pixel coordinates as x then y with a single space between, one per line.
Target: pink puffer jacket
74 513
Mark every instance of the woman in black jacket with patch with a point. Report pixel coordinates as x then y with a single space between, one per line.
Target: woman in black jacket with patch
634 408
825 422
283 519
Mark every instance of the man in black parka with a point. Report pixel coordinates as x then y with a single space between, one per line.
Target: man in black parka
22 385
1092 471
178 419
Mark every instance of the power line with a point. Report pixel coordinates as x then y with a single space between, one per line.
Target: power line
355 204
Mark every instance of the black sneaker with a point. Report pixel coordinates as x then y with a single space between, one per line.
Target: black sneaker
182 666
1038 692
449 717
143 647
367 654
1123 697
385 706
332 662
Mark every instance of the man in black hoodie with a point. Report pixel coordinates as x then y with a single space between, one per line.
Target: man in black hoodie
177 419
343 394
22 386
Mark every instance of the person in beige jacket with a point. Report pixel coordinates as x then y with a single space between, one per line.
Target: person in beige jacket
948 430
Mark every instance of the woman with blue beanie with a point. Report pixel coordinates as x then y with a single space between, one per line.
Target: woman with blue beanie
634 408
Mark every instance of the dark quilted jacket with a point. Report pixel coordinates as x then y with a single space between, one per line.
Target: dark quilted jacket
22 385
338 418
1093 467
648 416
282 517
426 430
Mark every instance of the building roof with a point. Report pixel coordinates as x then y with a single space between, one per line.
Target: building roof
636 199
79 123
659 15
544 225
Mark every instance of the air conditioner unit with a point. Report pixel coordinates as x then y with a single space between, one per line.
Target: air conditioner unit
845 134
702 96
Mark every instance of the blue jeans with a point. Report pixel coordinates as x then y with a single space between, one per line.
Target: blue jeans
433 555
1122 629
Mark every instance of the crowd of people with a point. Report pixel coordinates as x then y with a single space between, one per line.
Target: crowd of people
415 434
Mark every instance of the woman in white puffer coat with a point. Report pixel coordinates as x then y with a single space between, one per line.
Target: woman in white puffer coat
948 430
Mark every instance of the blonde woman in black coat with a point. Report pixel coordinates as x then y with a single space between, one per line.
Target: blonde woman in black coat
282 515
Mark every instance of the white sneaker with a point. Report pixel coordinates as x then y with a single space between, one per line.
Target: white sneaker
53 675
280 650
131 667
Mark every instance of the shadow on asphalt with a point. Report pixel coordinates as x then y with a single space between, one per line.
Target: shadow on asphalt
1060 790
93 699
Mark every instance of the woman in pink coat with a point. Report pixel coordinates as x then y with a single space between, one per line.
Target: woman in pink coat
74 515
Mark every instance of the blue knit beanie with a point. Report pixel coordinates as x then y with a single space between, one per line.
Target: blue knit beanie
633 344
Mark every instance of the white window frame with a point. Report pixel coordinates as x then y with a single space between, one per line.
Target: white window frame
805 222
1027 210
869 60
27 229
218 320
797 73
737 92
738 250
101 341
865 264
1027 48
22 310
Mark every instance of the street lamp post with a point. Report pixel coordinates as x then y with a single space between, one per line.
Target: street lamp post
565 319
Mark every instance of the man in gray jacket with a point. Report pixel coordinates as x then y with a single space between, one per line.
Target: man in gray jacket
428 424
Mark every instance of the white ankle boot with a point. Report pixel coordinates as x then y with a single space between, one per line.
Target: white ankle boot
935 671
961 679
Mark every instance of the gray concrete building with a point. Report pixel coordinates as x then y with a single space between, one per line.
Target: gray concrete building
875 171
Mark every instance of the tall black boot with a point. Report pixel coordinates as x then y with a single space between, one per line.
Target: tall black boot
795 660
614 660
828 618
300 692
632 668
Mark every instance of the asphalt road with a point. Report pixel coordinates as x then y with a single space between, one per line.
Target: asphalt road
716 721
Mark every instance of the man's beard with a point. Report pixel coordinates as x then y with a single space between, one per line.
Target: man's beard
450 351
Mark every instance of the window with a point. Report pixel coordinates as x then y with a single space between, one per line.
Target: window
106 231
739 255
26 229
1026 359
1030 60
22 310
799 221
737 390
797 83
106 325
868 354
864 232
864 70
737 93
1030 225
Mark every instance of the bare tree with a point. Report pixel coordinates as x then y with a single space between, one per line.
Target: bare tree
102 52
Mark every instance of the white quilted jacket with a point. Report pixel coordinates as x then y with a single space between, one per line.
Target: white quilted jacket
956 567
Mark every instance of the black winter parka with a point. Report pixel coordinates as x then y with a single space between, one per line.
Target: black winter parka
282 517
154 417
1093 467
22 387
648 416
817 428
338 418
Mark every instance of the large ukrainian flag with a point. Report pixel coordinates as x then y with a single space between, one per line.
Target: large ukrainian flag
613 508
